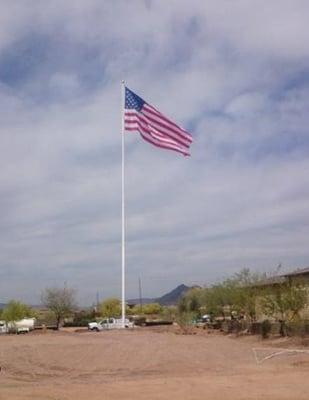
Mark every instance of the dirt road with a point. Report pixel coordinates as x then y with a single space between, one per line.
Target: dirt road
145 364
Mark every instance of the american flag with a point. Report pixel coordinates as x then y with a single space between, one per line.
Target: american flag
153 126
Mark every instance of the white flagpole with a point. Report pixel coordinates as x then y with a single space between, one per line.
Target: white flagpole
123 253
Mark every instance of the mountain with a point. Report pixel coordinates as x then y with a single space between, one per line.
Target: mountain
171 298
168 299
2 305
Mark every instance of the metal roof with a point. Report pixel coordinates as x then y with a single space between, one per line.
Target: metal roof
301 271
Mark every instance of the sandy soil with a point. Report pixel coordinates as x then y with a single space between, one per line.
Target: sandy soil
147 364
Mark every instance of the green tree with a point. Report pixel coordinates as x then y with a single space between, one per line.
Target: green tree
110 308
234 295
284 301
15 311
191 302
61 301
151 308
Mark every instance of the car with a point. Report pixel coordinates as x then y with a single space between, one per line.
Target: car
3 327
206 318
109 323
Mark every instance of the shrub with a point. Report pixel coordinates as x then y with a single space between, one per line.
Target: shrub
265 328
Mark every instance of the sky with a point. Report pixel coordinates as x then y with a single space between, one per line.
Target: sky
233 73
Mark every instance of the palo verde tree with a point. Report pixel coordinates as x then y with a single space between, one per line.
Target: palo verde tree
15 311
236 294
283 301
191 302
110 308
147 309
61 301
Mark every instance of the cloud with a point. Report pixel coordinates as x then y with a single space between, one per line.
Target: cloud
235 74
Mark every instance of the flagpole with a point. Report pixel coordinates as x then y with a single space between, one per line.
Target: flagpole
123 252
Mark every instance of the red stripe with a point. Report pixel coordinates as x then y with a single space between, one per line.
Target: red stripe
147 129
169 135
146 134
164 125
130 113
168 132
153 131
181 134
138 126
157 113
162 146
135 125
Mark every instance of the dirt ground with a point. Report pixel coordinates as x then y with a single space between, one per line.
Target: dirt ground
149 364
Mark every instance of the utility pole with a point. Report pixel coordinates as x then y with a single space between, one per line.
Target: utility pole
98 300
140 294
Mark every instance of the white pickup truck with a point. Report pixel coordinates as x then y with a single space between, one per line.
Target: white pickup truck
24 325
109 323
3 327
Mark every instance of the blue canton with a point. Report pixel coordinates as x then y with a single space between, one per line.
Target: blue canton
133 101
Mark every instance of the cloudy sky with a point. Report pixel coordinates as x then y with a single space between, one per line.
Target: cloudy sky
234 73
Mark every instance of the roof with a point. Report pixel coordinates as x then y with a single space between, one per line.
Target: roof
278 279
273 280
301 271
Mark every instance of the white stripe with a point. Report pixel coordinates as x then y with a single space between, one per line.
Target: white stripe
160 144
166 120
168 132
155 140
132 121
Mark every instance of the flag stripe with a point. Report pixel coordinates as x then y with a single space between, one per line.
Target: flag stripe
147 135
166 130
157 113
158 143
158 127
135 124
147 130
156 119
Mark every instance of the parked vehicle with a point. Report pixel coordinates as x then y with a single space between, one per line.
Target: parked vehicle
3 327
206 318
24 325
109 323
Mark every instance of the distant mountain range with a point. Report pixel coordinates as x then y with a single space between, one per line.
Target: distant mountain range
168 299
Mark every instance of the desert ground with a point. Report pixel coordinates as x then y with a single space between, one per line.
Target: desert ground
149 364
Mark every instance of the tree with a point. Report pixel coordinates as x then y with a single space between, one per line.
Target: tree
152 308
234 295
284 301
61 301
15 311
110 308
191 302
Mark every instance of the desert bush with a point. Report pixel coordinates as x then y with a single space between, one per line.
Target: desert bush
110 308
265 328
82 318
15 311
235 296
298 328
184 321
152 308
283 302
